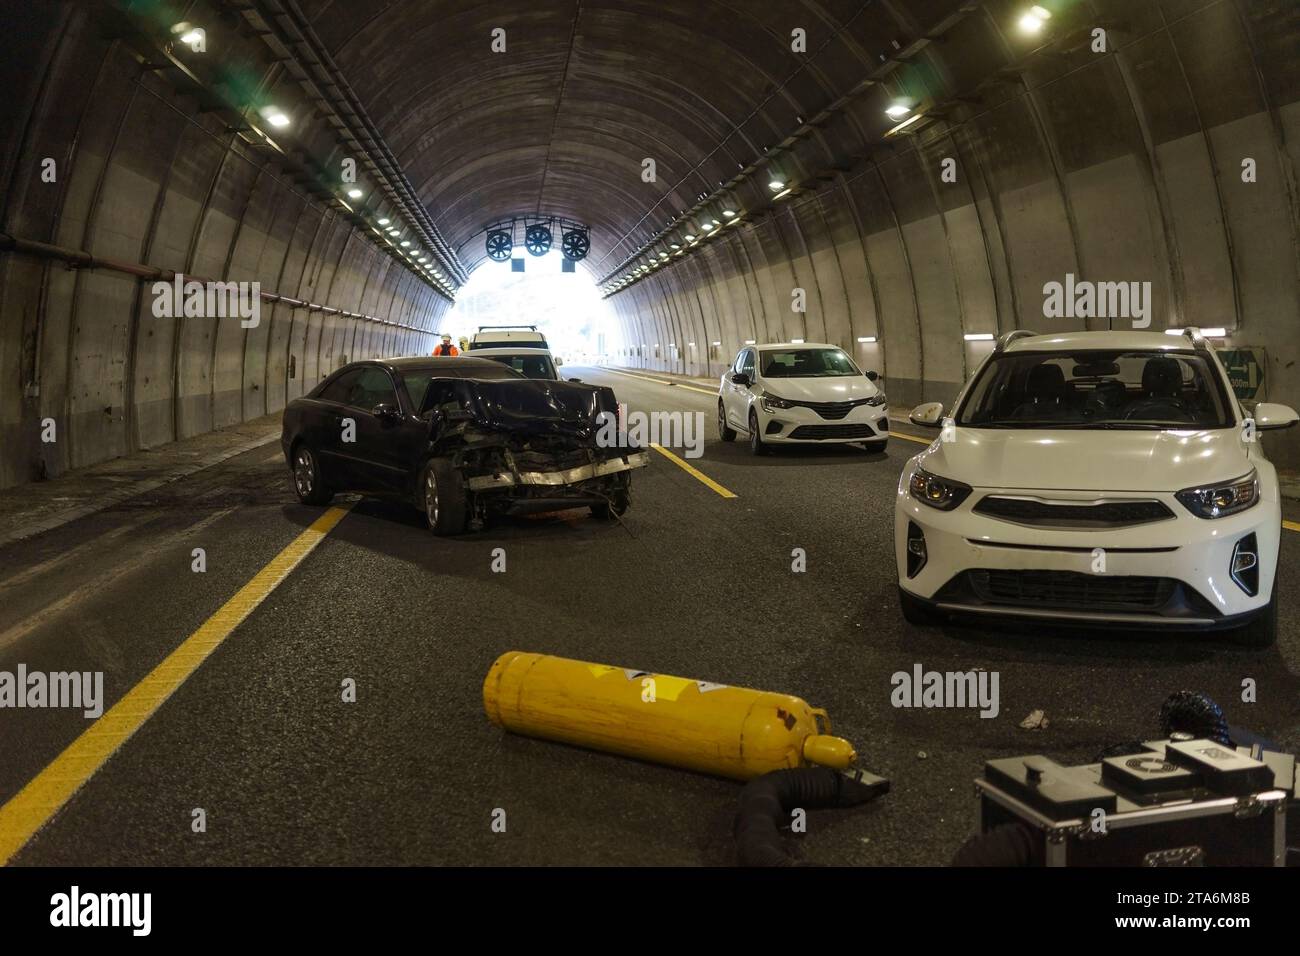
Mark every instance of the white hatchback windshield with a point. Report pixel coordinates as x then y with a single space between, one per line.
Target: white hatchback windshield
806 363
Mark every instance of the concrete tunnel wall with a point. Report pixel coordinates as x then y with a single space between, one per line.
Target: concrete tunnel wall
143 176
1124 167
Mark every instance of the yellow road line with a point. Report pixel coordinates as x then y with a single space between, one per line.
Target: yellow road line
33 806
920 441
1291 525
661 381
693 472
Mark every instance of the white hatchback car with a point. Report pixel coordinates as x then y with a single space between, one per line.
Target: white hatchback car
801 394
1095 478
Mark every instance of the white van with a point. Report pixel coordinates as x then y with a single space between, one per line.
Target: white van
507 336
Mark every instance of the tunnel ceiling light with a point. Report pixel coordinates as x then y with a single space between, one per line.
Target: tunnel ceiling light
355 193
707 227
275 116
978 336
1213 332
405 243
383 221
715 222
782 194
715 343
690 237
897 111
866 339
776 185
1034 19
663 255
394 231
797 341
728 213
749 341
675 246
193 36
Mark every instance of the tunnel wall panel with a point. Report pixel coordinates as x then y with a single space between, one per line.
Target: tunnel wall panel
143 177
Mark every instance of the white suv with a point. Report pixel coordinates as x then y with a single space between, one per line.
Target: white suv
1097 478
799 394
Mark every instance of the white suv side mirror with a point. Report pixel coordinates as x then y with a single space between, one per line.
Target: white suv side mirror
929 415
1270 415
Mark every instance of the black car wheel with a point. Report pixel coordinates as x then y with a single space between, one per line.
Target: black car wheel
615 507
725 431
442 497
756 446
307 479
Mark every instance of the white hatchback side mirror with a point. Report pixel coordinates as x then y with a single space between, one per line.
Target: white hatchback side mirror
1270 415
929 415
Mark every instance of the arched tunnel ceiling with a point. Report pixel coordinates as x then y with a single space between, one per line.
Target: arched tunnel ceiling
559 124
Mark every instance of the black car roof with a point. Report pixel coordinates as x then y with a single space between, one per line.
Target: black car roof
449 362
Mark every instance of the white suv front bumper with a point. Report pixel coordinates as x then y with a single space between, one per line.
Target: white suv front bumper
991 565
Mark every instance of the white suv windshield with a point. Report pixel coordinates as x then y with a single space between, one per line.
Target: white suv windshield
806 363
1097 389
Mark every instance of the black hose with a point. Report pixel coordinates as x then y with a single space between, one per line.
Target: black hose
767 801
1008 844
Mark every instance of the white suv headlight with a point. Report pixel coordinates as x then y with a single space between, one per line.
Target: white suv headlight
942 493
1218 501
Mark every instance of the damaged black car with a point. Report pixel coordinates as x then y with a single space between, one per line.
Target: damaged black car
461 439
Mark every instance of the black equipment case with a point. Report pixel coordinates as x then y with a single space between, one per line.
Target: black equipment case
1179 803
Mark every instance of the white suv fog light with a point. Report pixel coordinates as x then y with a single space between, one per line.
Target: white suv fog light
1245 565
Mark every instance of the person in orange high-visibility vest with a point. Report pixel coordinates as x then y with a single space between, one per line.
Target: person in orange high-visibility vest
446 348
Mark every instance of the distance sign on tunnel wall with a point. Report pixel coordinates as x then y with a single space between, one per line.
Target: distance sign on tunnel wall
1245 369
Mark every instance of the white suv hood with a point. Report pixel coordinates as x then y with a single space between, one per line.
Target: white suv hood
832 388
1088 460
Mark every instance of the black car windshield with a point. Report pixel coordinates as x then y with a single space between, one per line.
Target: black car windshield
806 363
1146 389
529 366
417 380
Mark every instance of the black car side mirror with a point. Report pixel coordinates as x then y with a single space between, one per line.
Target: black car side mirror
740 378
578 380
386 412
873 375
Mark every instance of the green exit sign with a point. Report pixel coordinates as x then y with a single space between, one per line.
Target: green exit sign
1245 370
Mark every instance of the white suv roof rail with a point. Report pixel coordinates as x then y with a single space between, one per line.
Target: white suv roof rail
1010 337
1193 334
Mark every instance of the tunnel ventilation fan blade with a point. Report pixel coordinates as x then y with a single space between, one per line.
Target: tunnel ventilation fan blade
499 245
575 245
537 239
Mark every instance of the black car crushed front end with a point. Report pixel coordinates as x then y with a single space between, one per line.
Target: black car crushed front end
527 445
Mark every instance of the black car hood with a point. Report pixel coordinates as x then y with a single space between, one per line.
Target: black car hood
532 406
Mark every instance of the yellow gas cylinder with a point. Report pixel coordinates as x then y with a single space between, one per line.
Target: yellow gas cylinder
730 731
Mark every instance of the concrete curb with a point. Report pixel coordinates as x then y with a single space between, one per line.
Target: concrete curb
74 512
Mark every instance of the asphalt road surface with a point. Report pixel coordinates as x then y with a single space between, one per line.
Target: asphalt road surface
694 584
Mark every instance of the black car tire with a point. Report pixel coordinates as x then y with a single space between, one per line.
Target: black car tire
616 507
442 497
1261 630
915 610
725 432
308 482
756 446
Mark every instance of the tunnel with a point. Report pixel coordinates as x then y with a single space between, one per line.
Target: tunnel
211 210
